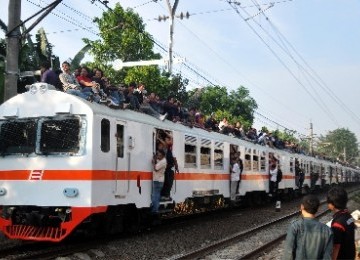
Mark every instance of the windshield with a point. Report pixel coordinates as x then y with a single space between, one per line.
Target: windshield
60 136
46 135
17 136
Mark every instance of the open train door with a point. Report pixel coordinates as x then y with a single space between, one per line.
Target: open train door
122 162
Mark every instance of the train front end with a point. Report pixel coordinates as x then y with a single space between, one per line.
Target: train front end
45 173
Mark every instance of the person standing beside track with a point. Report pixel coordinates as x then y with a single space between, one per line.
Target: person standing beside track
342 224
308 238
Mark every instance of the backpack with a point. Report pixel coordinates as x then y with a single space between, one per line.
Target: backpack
279 176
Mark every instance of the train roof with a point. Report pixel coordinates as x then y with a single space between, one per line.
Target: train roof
44 100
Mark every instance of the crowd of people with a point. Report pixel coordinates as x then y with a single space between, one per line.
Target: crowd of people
96 87
164 167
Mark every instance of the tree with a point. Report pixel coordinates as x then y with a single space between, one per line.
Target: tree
339 144
44 50
213 98
237 106
240 104
123 36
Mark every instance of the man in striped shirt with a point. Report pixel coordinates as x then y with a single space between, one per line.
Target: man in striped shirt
70 84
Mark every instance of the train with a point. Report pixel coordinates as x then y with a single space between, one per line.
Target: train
68 164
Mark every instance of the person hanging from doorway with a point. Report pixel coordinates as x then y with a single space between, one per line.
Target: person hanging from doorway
235 178
171 167
275 176
241 166
159 166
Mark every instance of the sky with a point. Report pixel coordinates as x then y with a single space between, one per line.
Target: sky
300 59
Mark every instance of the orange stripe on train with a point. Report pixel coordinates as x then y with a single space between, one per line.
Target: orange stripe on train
76 175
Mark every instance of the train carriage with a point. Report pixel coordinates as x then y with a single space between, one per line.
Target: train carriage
67 163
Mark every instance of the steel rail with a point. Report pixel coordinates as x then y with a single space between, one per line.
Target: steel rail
231 240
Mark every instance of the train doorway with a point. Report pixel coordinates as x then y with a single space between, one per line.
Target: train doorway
122 164
163 140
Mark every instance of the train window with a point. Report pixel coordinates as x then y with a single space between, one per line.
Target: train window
190 152
247 165
105 135
120 141
190 156
205 154
219 156
263 162
17 136
291 164
255 162
60 135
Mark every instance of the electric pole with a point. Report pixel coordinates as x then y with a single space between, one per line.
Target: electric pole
172 10
12 49
311 139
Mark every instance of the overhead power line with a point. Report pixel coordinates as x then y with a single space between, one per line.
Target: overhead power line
323 107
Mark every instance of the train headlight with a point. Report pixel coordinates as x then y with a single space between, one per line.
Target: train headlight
43 88
33 89
2 191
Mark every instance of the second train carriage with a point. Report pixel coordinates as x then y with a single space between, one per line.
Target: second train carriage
68 163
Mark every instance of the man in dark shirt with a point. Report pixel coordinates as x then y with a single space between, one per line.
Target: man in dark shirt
139 93
342 225
48 75
131 98
171 167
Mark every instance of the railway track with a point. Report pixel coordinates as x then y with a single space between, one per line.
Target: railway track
232 247
267 246
212 251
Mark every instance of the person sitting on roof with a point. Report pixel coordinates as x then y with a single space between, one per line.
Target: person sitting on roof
69 82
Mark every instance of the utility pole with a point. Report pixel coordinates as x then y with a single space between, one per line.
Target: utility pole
311 139
172 10
12 49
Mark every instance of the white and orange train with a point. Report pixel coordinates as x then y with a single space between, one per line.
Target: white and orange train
68 164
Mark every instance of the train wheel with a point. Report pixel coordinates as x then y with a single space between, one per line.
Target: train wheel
306 190
290 194
132 219
256 199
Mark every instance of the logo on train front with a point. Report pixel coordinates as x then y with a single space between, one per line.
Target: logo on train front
36 175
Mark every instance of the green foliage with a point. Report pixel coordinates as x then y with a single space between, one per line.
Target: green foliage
33 54
237 106
3 26
240 103
2 68
44 51
75 62
213 99
287 135
123 36
339 144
